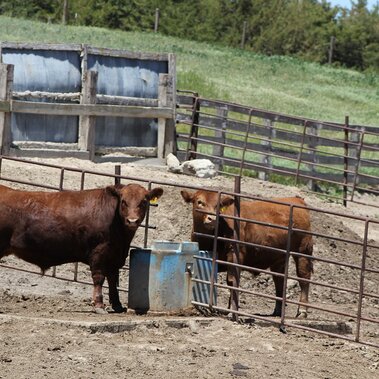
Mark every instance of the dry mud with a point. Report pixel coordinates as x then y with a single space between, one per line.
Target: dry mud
47 328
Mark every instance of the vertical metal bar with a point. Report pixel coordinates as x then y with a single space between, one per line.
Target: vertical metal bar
300 152
82 180
61 180
288 253
117 171
245 143
356 173
345 160
1 164
234 295
214 252
192 144
361 280
147 216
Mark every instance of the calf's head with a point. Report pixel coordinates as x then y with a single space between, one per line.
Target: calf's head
133 201
204 207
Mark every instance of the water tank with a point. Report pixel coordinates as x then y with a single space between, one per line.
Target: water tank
160 278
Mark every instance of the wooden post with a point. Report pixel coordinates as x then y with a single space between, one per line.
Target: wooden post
156 23
345 160
86 139
331 48
313 142
267 145
6 87
220 134
243 35
65 12
166 127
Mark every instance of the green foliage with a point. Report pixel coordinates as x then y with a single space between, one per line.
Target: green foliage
300 28
278 83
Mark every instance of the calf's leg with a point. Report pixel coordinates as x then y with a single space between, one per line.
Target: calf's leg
98 281
279 285
304 269
114 298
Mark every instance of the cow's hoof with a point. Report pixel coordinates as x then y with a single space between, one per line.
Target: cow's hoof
100 311
119 308
302 314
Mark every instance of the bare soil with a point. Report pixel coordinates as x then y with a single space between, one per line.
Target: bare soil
47 328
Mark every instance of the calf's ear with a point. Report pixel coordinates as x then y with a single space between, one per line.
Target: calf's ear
226 202
114 190
187 196
111 190
155 193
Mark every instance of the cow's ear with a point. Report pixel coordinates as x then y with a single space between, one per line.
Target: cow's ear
226 202
155 194
113 190
187 196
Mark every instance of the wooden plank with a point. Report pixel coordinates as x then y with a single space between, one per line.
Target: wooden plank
123 100
6 85
127 54
90 110
166 126
41 46
86 140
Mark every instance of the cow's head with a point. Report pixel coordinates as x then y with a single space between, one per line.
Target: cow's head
205 201
133 202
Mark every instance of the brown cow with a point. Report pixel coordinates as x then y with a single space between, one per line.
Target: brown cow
94 226
258 257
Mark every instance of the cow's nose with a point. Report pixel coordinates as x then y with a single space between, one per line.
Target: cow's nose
209 219
132 221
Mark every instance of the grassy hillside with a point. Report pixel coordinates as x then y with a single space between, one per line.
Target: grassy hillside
279 84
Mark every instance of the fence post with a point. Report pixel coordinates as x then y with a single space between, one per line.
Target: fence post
354 152
166 127
243 35
156 22
331 48
312 144
6 87
220 134
86 139
267 147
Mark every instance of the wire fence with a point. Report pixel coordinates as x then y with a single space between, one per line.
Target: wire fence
337 160
346 280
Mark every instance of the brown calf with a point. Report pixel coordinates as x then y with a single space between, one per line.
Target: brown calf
266 236
95 227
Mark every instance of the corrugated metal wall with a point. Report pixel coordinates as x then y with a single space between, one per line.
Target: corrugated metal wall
50 71
59 70
126 77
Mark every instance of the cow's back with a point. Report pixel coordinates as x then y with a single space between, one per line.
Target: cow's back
51 228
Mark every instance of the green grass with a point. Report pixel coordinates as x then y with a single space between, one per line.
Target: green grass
279 84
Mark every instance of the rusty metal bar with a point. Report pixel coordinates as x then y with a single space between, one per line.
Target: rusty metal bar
345 161
192 142
117 172
288 253
214 253
361 281
357 166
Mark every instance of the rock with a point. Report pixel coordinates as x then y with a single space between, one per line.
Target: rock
173 163
202 168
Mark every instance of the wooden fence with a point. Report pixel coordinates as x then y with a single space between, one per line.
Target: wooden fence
241 140
100 75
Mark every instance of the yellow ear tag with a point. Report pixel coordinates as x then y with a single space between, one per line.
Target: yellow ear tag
222 209
154 200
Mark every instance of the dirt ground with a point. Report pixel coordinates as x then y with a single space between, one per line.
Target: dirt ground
47 328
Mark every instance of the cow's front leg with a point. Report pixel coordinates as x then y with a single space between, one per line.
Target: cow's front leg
114 298
98 280
233 279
